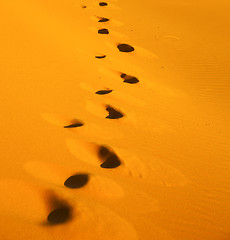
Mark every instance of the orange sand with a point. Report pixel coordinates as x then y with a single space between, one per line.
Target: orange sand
169 149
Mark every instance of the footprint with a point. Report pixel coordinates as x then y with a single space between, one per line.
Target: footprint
129 79
103 92
106 20
103 31
61 120
103 4
77 181
75 123
113 113
103 19
61 211
84 6
125 48
93 153
59 215
99 57
110 159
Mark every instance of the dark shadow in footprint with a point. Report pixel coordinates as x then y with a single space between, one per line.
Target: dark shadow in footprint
59 210
75 123
77 181
99 57
103 19
103 31
113 113
111 160
83 6
129 79
125 48
102 4
103 92
59 215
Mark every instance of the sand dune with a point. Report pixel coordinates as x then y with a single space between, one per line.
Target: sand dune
115 120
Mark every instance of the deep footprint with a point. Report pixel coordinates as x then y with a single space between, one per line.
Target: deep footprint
103 31
102 4
99 57
103 92
129 79
113 113
103 19
75 123
125 48
111 160
60 215
77 181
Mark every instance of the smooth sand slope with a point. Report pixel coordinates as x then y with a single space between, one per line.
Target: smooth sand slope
114 120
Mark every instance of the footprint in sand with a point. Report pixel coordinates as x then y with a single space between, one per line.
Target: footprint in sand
109 158
94 154
101 56
103 92
125 47
103 31
103 4
113 113
77 180
62 121
59 215
129 79
59 210
74 123
103 19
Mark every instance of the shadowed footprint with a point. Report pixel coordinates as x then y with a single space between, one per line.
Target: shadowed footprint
111 162
99 57
125 48
102 4
110 159
129 79
113 113
61 212
59 215
75 123
103 19
103 31
103 92
77 181
83 6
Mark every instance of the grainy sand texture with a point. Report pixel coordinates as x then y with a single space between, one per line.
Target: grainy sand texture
114 120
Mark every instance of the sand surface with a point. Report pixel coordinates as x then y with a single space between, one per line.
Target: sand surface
115 120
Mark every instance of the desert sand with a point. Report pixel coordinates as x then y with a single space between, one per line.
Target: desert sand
115 120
